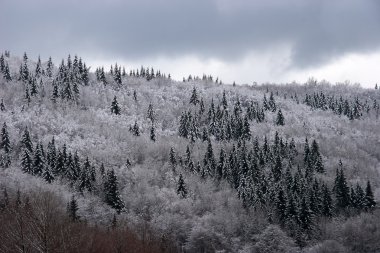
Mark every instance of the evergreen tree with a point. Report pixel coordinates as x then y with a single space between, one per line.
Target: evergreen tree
2 106
281 206
26 142
49 68
305 215
272 104
194 97
38 70
48 174
7 73
327 207
181 188
280 121
172 157
38 161
150 113
85 178
111 192
135 95
277 169
115 109
85 78
72 209
209 163
26 162
152 133
370 202
136 129
342 191
5 143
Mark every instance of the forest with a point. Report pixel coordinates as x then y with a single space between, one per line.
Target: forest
131 160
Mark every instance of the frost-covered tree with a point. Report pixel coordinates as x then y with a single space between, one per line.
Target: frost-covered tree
115 109
370 202
38 161
341 189
72 209
181 187
194 97
2 106
152 135
274 240
136 129
280 120
111 192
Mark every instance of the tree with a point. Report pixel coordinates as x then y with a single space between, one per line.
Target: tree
342 191
280 121
7 73
111 192
38 70
274 240
38 161
194 97
72 209
326 202
136 129
172 157
152 133
49 68
305 215
26 142
272 104
115 109
2 107
5 143
181 188
370 202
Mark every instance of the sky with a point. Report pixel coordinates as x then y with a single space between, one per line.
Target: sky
244 41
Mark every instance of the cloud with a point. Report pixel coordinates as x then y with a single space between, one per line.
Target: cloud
317 32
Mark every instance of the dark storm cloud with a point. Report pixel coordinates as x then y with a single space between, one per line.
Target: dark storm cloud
318 31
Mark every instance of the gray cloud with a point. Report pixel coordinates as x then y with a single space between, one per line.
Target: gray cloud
318 31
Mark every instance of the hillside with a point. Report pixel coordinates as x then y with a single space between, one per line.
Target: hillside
195 165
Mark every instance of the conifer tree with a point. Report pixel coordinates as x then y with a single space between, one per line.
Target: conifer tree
280 121
136 129
342 191
7 73
72 209
194 97
2 106
209 163
33 86
181 188
152 133
2 63
115 109
38 70
172 157
272 104
327 207
370 202
48 174
150 113
49 68
281 206
111 192
305 215
38 161
85 178
5 143
26 162
85 78
135 95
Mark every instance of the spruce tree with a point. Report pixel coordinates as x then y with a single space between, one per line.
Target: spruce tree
115 109
370 202
49 68
194 97
7 73
327 207
280 121
72 209
181 187
342 191
85 177
305 215
48 174
172 157
136 129
38 70
209 162
5 143
152 133
150 113
38 161
111 192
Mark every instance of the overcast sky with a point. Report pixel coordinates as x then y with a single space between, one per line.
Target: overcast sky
237 40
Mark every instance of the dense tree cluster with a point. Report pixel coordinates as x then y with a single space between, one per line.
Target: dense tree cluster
353 109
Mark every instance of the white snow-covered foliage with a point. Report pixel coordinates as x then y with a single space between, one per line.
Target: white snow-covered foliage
211 218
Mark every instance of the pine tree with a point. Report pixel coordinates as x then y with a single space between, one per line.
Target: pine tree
277 169
48 174
272 104
7 73
194 97
49 68
72 209
305 215
38 161
172 157
370 202
26 162
115 109
150 113
209 163
281 206
327 207
342 191
2 106
85 78
26 142
280 121
5 143
111 192
181 187
85 178
136 129
152 133
38 70
135 95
